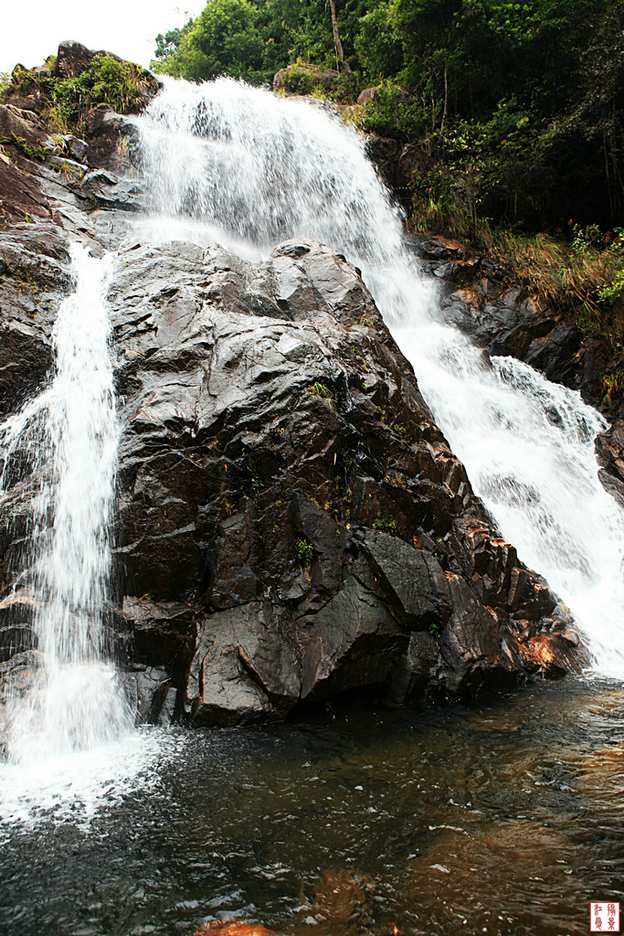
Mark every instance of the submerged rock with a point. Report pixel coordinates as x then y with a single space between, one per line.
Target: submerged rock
232 928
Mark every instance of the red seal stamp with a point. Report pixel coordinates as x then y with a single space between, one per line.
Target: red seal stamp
604 918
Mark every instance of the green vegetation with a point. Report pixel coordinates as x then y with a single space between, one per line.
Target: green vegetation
321 390
386 526
305 553
434 630
247 39
30 151
107 80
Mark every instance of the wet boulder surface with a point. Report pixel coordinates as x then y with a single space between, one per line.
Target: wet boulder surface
292 524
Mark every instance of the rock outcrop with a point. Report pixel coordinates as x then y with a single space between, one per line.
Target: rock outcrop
291 523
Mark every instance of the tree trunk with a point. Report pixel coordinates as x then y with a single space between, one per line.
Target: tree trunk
337 42
445 99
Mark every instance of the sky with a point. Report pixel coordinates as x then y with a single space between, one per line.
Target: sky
32 29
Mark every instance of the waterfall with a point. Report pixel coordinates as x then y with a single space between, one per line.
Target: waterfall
59 457
227 162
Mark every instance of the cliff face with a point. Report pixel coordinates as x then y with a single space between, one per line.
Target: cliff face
291 522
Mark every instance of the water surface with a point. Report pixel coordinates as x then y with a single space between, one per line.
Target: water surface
503 818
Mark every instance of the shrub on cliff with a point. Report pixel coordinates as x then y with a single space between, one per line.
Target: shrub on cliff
64 101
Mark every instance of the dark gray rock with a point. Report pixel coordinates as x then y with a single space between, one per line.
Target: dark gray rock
352 641
414 677
34 279
471 648
75 147
151 695
246 667
411 579
102 189
263 478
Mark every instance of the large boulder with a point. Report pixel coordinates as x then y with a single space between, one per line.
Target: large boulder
303 78
285 487
73 58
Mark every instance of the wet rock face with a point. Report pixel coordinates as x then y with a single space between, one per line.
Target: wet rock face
505 320
292 523
610 454
34 278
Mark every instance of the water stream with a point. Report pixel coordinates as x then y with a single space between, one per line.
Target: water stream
61 449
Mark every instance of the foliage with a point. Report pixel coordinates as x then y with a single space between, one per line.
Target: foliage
31 152
305 552
107 80
252 40
387 526
317 81
394 112
321 390
586 274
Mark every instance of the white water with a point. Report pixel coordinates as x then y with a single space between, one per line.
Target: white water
67 439
242 166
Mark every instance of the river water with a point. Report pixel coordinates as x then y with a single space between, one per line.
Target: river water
504 818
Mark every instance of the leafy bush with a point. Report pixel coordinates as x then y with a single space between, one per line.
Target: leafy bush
394 112
108 80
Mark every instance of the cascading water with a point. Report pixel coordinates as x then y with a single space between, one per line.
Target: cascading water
67 439
238 164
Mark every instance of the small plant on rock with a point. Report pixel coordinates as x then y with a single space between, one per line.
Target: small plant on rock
387 526
434 630
321 390
305 552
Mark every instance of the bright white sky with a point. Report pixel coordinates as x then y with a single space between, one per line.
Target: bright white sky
32 29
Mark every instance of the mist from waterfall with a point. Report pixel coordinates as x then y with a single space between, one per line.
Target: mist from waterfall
239 165
59 459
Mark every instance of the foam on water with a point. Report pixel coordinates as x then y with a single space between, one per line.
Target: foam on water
75 786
